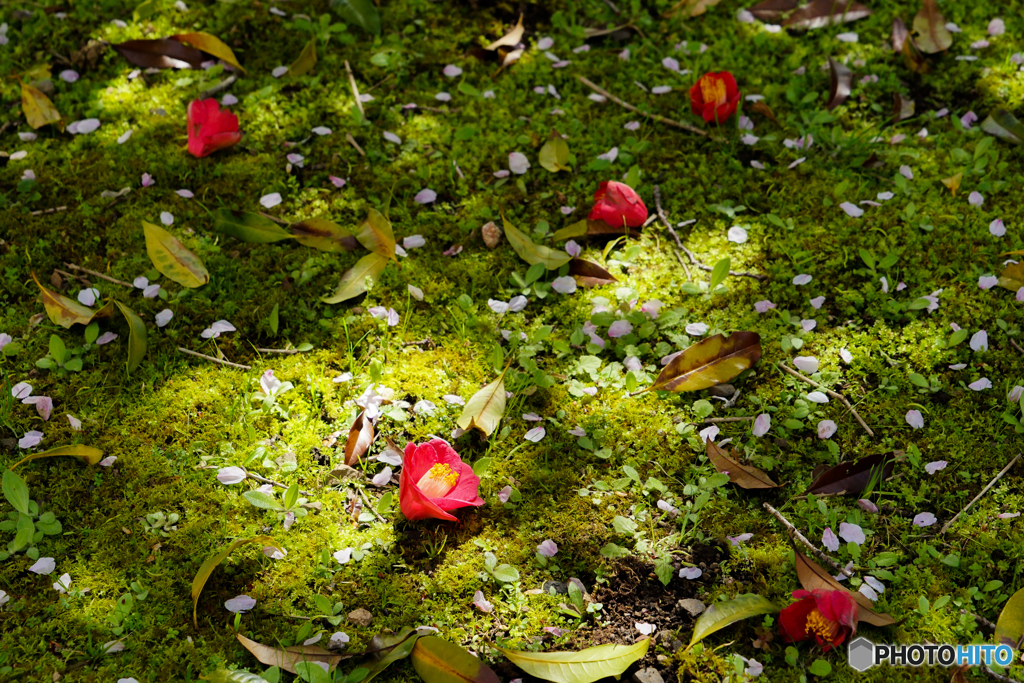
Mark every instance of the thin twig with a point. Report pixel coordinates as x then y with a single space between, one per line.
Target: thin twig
622 103
288 352
42 212
215 360
999 677
264 480
352 141
612 6
982 621
220 87
1016 346
838 397
83 280
355 88
800 537
371 508
664 217
706 267
101 276
422 342
982 493
720 420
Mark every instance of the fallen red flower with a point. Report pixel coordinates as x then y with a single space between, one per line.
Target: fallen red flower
618 204
210 128
714 97
828 616
434 480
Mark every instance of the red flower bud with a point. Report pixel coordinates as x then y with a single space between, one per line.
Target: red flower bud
210 128
434 480
618 204
714 97
828 616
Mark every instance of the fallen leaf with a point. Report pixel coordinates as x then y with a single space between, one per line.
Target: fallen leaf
172 259
287 657
589 274
821 13
853 477
812 576
722 614
588 227
137 343
249 227
1012 277
913 58
438 661
510 39
899 34
532 252
360 436
306 61
585 666
554 155
64 311
709 362
207 567
772 11
362 13
1010 625
37 107
354 280
902 107
690 8
229 676
744 476
388 648
484 409
87 454
211 45
160 53
930 26
1004 125
953 183
376 235
841 81
322 234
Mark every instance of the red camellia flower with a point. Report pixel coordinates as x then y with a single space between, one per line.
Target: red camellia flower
617 204
829 616
714 97
434 480
210 128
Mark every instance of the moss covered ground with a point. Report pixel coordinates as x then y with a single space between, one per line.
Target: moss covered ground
175 420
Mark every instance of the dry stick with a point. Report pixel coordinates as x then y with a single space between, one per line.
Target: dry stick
800 537
1016 346
352 141
264 480
838 397
661 119
220 87
734 273
285 351
998 677
101 276
371 508
215 360
982 493
42 212
664 218
679 257
81 279
719 420
982 621
355 88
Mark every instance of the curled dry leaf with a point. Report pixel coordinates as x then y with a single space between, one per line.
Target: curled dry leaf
1004 126
930 26
812 576
287 657
902 107
821 13
589 274
900 33
841 81
305 62
87 454
534 253
853 477
209 44
765 111
360 436
137 343
160 53
322 234
744 476
505 50
712 361
912 57
207 567
953 183
37 107
484 409
438 661
172 259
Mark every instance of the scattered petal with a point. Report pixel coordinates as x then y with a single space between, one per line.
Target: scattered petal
518 163
808 364
851 533
817 397
737 234
547 548
480 602
619 328
924 519
240 604
31 439
762 423
690 573
975 199
852 210
535 434
44 565
564 285
763 306
231 475
271 200
988 281
980 385
933 467
802 279
830 540
826 429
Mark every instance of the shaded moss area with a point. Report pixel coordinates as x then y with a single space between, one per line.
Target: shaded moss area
177 419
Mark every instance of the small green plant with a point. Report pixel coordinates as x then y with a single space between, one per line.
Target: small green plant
161 523
503 573
288 509
62 358
26 521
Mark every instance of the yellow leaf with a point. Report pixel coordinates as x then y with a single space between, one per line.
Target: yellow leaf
38 108
62 310
306 61
554 155
87 454
953 183
375 234
532 252
172 259
137 343
353 281
709 362
484 410
322 234
209 44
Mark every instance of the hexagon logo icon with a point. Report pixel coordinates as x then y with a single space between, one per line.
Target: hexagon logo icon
861 654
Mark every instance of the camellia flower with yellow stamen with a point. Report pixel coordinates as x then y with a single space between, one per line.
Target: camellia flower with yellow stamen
714 97
434 481
828 616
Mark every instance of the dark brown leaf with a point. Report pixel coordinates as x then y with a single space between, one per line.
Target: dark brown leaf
930 26
853 477
902 107
160 53
773 10
713 361
322 234
589 274
821 13
588 227
812 576
899 34
842 79
744 476
360 436
764 110
873 162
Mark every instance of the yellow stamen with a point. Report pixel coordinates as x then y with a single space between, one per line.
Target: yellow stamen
818 624
438 481
713 90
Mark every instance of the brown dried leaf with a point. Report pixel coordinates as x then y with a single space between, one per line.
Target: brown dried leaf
712 361
812 576
589 274
160 53
360 436
821 13
930 26
744 476
899 34
902 107
773 10
841 81
322 234
853 477
286 658
764 110
211 45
